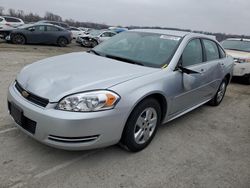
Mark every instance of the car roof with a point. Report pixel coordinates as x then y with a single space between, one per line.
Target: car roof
163 32
239 39
174 33
10 17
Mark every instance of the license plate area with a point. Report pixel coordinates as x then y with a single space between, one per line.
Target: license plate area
17 114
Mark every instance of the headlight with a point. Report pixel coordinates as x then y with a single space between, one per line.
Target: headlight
89 101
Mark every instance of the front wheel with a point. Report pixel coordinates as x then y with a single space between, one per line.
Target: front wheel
18 39
142 125
219 94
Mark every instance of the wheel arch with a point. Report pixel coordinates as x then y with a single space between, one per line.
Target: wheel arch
228 78
61 36
13 34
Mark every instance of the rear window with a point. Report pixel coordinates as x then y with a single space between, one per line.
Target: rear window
236 45
211 50
11 19
51 28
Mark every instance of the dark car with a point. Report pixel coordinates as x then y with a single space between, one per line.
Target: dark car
41 34
61 24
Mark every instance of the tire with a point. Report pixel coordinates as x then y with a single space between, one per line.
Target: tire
62 42
18 39
141 127
219 94
94 43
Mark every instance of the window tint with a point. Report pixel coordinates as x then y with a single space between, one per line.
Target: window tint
211 50
40 28
11 19
111 34
74 29
51 28
192 54
222 52
105 34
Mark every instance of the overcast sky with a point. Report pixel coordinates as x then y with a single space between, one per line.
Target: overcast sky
228 16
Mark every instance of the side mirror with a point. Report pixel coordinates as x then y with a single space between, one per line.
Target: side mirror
31 29
187 71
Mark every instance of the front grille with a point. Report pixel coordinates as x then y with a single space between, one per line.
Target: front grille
31 97
73 139
29 125
17 114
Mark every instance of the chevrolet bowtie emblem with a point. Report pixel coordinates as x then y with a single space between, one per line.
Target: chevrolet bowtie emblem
25 94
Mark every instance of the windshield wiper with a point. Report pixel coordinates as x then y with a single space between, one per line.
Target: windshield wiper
124 60
93 51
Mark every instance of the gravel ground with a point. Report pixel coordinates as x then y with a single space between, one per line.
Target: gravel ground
209 147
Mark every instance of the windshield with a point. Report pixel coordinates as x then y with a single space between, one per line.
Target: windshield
236 45
95 33
147 49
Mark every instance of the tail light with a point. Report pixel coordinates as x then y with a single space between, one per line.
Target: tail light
242 60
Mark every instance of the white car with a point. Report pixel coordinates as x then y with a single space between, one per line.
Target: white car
239 49
7 22
96 37
76 32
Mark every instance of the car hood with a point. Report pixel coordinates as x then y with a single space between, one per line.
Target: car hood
58 76
238 54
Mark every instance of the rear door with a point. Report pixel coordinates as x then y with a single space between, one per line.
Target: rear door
213 66
52 34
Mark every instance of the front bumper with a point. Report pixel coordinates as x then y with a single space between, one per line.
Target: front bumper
69 130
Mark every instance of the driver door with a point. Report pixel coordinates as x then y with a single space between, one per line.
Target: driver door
190 87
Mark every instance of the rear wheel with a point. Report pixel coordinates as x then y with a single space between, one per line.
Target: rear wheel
18 39
94 43
142 125
62 42
247 79
219 94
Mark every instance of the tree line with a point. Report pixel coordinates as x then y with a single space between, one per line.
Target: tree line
33 17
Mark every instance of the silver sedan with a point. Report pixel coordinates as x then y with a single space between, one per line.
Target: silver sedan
120 91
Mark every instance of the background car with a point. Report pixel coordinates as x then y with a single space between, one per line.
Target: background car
61 24
76 32
41 34
7 24
239 49
96 37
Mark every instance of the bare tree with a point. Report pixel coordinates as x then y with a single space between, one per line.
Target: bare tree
12 12
1 10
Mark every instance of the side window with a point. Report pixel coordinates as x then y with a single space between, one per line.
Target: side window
222 53
105 34
51 28
12 20
40 28
111 34
211 50
1 19
192 54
